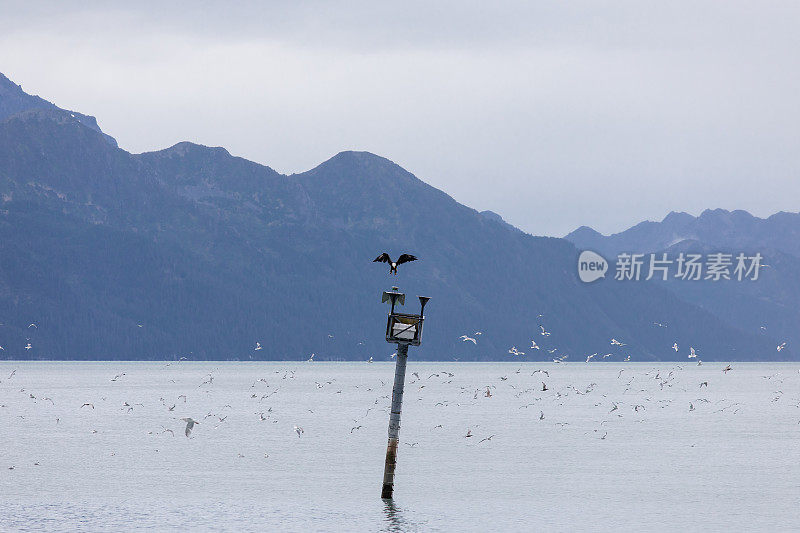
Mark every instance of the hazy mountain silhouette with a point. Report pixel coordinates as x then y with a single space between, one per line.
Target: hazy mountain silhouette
769 305
14 100
190 251
716 227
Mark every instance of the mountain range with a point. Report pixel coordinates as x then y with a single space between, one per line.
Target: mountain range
769 305
193 252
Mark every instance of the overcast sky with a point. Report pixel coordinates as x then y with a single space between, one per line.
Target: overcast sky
553 114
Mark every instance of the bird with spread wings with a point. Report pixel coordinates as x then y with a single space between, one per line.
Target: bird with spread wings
384 258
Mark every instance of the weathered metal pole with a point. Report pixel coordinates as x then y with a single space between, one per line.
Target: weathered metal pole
394 421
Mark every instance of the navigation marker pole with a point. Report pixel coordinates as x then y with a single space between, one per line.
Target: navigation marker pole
394 421
404 330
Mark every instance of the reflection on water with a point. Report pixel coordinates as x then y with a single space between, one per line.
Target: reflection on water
394 516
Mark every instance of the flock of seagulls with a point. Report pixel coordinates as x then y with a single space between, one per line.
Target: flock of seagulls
488 391
475 336
447 399
589 357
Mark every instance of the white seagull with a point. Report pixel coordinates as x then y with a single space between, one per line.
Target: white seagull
190 422
675 346
464 338
545 333
258 346
534 346
692 353
615 342
781 346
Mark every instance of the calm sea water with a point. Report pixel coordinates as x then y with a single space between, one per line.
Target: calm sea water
625 447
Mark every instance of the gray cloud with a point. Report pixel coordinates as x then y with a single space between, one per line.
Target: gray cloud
552 114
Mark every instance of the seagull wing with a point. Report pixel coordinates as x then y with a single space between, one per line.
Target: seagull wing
383 258
405 258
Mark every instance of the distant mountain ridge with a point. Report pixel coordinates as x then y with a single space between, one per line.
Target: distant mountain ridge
491 215
14 100
190 251
717 227
769 305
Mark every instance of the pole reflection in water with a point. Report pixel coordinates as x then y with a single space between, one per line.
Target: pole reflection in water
394 518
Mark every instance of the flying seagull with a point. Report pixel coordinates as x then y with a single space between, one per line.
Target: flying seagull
384 258
189 424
